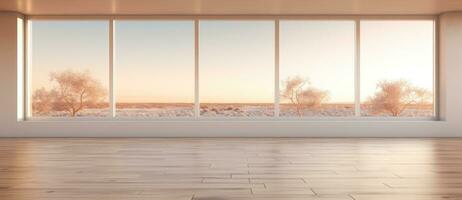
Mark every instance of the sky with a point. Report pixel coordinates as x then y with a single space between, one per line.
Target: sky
76 45
392 50
154 60
236 61
321 52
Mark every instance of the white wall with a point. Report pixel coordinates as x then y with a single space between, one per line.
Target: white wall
450 126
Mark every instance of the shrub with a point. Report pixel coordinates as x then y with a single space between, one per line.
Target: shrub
302 95
395 96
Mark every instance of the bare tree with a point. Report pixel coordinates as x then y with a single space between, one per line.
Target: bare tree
73 92
299 92
395 96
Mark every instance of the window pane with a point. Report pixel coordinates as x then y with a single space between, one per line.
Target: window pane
154 68
69 66
397 63
236 68
317 60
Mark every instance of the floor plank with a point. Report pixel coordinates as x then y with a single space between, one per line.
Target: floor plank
230 169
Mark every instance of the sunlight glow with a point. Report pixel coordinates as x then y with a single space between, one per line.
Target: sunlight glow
154 68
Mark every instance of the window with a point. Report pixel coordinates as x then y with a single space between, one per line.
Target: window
69 68
317 68
236 68
228 68
397 68
154 68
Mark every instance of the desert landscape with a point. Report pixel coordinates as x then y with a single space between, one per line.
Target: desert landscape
156 110
323 110
152 110
78 94
237 110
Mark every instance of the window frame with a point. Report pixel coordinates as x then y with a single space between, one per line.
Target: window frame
197 18
28 66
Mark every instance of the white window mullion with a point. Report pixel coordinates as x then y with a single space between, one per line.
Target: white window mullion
436 100
276 69
28 64
112 104
357 68
196 69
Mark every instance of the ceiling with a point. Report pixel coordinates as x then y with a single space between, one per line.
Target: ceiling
230 7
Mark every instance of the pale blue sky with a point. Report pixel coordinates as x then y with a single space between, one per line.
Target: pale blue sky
236 61
395 50
59 45
154 60
322 52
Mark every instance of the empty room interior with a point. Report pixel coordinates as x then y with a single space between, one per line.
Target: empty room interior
230 99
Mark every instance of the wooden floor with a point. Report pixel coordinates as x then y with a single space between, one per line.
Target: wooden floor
224 169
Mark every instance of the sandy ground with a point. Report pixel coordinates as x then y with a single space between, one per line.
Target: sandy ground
235 110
